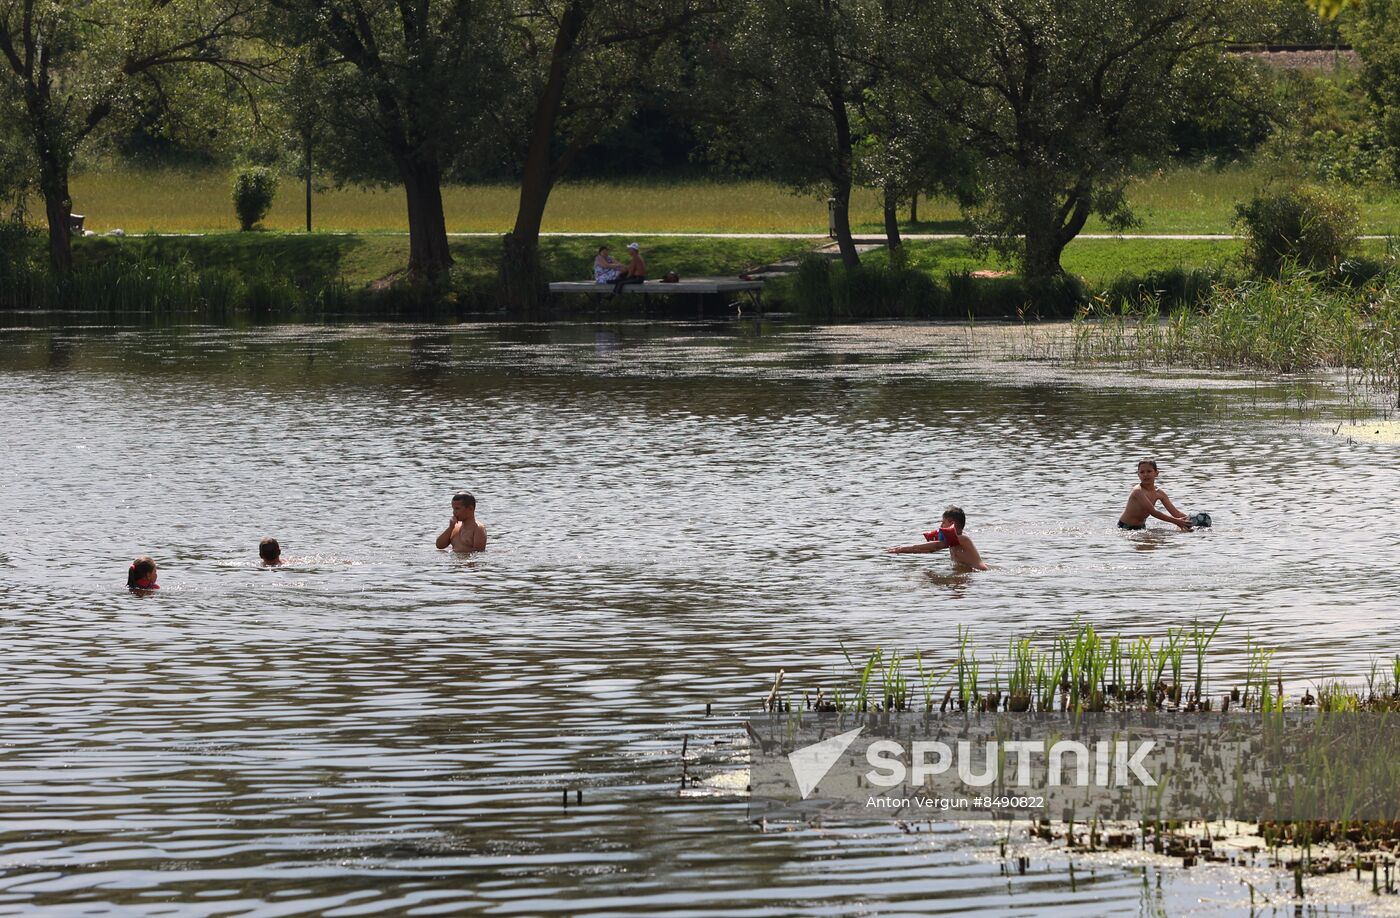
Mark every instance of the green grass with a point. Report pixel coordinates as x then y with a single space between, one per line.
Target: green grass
1179 200
1098 261
199 201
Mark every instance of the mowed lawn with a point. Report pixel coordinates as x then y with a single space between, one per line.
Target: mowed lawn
1182 200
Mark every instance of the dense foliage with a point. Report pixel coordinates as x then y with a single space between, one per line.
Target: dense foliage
254 189
1034 115
1304 227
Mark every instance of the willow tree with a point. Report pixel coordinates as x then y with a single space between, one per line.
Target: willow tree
409 86
68 66
790 76
1061 100
579 67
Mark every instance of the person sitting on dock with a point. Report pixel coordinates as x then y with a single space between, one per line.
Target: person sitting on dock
463 532
635 272
949 535
1142 502
606 269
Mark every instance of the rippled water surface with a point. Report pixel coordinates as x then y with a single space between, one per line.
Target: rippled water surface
676 510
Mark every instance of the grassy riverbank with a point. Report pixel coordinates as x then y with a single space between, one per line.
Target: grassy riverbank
1122 291
289 270
1179 200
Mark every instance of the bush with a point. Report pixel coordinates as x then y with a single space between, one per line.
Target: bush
824 289
1166 288
812 290
1305 226
253 191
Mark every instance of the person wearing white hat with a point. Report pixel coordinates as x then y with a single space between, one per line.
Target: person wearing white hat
636 270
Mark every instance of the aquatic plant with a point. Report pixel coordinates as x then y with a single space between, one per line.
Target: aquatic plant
1302 321
1086 670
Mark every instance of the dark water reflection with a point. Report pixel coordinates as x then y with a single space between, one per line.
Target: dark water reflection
676 511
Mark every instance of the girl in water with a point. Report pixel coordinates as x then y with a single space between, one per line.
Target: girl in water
142 575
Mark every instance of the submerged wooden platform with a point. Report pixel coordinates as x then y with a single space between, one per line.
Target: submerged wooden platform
686 286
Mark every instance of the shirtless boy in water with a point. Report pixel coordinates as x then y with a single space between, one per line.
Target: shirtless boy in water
959 546
463 532
1142 502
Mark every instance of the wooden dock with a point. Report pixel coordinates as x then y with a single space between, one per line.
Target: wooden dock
709 289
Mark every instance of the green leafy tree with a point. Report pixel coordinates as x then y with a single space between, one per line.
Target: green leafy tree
16 161
906 149
579 66
410 86
1332 8
790 78
1376 35
68 67
254 189
1061 100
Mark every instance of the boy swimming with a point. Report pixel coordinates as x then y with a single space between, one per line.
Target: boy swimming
463 532
1142 502
270 552
949 535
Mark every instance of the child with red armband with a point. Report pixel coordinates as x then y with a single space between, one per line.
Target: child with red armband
141 576
948 535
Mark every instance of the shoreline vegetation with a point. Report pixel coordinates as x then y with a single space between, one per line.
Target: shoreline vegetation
1086 671
1155 311
1199 302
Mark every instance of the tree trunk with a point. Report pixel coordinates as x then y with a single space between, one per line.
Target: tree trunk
520 282
914 207
1041 227
841 180
58 207
1049 229
842 217
428 256
1042 256
307 163
892 240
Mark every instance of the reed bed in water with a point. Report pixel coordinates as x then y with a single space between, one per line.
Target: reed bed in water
1296 323
1083 670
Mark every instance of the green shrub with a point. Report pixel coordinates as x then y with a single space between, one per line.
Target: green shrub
21 273
812 288
1309 227
253 191
1168 288
825 289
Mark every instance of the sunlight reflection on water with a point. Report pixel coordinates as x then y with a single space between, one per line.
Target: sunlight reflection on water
676 510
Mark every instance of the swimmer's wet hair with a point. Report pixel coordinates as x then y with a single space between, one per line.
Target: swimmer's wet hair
465 497
140 569
1151 462
957 516
269 550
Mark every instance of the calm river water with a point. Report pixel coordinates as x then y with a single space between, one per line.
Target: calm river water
676 511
